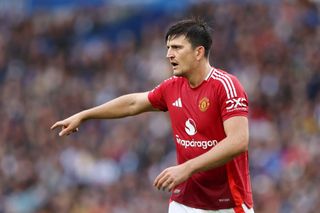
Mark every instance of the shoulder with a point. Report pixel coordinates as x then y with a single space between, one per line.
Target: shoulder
226 82
168 84
223 76
174 80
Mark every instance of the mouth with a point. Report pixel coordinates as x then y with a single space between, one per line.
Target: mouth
174 64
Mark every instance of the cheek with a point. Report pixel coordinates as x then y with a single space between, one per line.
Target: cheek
189 60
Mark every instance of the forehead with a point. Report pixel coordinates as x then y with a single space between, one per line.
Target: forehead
177 40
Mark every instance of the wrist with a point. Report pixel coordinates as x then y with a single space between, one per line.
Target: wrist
190 167
82 116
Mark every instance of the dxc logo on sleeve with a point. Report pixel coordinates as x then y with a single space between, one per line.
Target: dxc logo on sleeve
236 104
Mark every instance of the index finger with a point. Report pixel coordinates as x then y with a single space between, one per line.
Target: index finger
155 182
160 179
57 124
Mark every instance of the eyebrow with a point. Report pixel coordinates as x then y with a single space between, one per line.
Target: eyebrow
174 45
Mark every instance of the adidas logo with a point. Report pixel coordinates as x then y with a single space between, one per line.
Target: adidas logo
177 103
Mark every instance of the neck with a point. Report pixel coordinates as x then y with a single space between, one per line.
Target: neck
199 74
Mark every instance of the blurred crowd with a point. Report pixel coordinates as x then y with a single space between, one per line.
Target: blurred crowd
56 63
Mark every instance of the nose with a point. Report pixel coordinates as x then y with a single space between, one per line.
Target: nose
170 54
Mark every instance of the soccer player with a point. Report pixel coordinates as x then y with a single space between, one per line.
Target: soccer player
208 109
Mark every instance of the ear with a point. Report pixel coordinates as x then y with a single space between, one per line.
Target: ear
199 51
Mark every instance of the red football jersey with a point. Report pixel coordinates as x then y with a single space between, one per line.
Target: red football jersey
197 116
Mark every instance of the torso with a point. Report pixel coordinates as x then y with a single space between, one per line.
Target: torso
197 116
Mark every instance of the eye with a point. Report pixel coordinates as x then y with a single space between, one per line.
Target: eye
176 47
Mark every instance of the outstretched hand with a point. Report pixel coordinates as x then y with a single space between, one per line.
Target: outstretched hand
169 178
68 125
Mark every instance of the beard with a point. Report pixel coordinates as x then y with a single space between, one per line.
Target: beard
178 73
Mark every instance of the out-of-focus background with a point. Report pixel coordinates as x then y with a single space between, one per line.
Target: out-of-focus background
58 57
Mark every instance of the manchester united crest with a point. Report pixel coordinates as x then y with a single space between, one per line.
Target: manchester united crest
204 104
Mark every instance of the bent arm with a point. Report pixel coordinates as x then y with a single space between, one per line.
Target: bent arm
235 143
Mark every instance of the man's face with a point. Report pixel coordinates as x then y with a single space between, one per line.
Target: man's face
181 55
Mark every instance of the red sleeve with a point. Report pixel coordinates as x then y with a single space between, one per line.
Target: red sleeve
233 98
157 97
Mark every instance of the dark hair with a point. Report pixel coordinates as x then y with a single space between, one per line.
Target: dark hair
195 30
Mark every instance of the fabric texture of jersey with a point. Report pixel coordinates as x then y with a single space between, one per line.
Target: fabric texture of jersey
197 116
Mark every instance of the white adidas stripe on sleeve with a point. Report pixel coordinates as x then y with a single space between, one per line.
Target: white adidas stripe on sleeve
226 82
231 82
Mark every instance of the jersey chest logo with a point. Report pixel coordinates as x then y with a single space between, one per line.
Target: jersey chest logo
204 104
190 127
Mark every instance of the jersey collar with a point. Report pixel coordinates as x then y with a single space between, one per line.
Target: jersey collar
209 74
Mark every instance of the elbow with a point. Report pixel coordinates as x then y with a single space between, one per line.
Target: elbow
133 109
244 141
243 144
237 130
241 141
